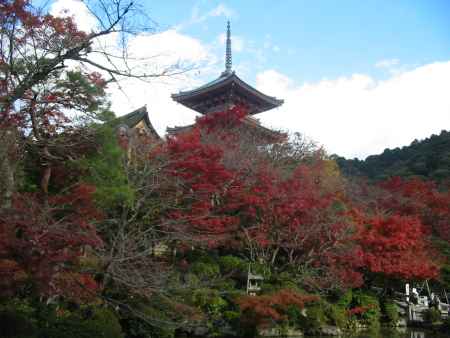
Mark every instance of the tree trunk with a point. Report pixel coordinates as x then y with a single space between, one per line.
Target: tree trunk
46 180
7 171
8 148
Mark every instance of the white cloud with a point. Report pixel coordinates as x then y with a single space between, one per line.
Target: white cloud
165 48
221 10
268 43
77 9
168 47
387 63
197 17
358 115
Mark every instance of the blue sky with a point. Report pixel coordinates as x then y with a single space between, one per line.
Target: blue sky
356 76
311 40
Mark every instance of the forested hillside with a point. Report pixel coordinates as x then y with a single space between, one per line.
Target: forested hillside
429 158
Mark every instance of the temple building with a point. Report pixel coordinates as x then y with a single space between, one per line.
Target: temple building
225 92
133 127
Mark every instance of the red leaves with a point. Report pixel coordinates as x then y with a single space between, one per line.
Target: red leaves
422 199
396 246
31 74
287 217
44 241
198 164
262 310
203 182
221 121
11 274
219 199
395 227
77 287
97 79
299 218
359 310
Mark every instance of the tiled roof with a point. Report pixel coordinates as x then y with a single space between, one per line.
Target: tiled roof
136 116
247 121
225 80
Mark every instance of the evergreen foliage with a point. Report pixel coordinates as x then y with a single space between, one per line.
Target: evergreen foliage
429 158
104 169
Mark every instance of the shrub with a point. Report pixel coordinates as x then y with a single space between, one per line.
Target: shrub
102 324
321 313
106 323
285 280
159 308
199 255
445 271
336 315
232 263
366 307
315 318
161 332
15 324
19 318
191 279
231 315
432 315
232 318
446 324
260 311
390 312
294 315
345 299
136 328
209 300
205 270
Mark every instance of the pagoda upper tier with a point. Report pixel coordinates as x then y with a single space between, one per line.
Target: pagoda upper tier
226 91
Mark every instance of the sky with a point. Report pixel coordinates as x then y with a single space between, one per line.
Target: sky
356 76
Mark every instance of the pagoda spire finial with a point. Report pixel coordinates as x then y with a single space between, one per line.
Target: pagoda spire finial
228 60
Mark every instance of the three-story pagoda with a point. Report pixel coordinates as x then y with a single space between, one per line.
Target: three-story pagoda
225 92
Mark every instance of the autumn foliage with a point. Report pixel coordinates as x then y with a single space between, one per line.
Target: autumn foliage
297 218
396 246
218 187
423 199
265 310
41 244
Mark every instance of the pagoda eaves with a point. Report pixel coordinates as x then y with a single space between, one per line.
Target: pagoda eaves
226 91
138 119
267 133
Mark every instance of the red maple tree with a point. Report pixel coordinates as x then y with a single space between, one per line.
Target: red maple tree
423 199
42 243
396 246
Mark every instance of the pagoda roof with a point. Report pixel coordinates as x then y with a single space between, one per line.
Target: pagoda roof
135 117
249 121
229 84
